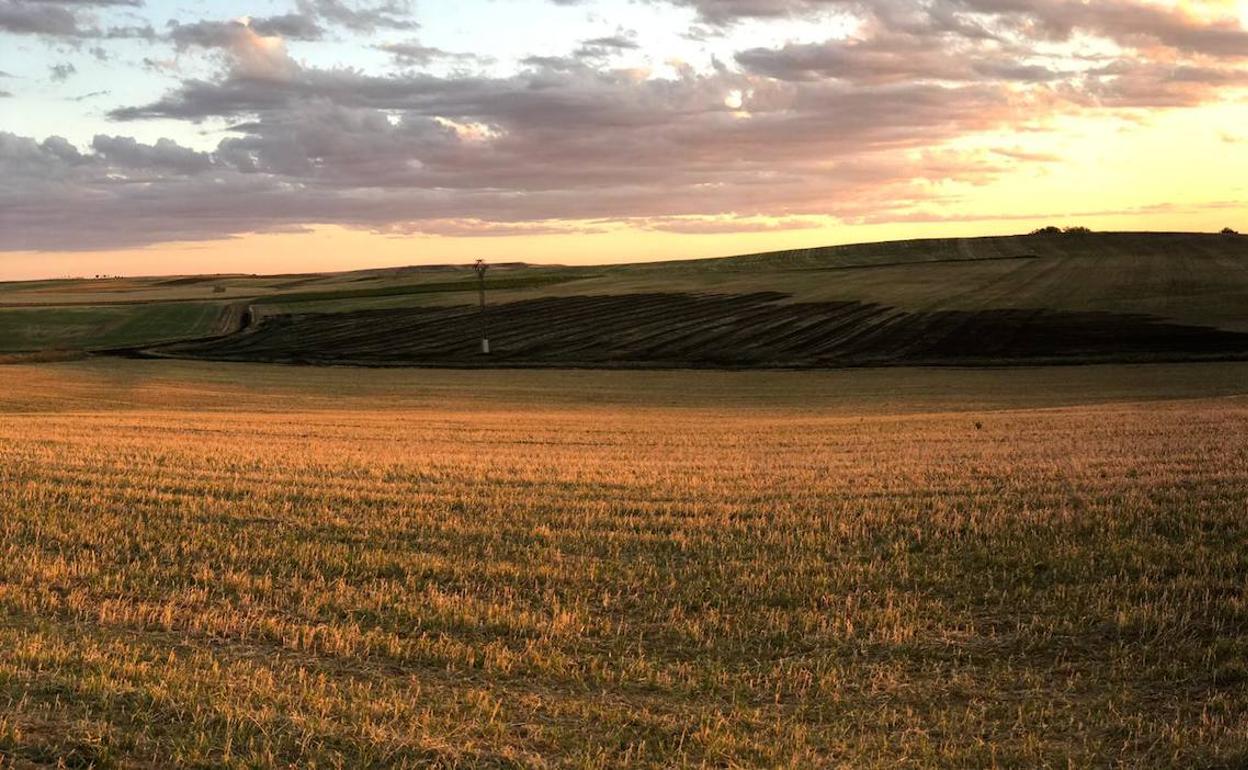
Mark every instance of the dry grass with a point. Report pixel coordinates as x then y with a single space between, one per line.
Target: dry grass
553 583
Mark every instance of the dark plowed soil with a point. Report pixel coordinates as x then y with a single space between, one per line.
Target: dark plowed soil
190 280
713 330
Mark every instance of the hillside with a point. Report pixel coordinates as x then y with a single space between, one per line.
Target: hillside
1021 299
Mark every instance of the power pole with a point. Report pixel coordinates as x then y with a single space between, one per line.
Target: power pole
481 267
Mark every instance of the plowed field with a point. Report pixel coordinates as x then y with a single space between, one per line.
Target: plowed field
714 330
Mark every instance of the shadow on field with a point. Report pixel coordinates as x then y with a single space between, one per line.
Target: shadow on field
693 330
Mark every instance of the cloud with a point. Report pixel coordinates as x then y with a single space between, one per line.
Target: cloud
62 72
1027 156
76 19
412 52
361 17
727 224
892 58
292 26
604 47
1130 23
924 215
38 19
250 54
228 34
400 152
476 228
721 12
860 126
125 153
71 19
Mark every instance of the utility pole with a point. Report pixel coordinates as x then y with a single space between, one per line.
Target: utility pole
481 267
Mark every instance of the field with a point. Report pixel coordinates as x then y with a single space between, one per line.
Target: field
254 566
1072 298
70 328
687 330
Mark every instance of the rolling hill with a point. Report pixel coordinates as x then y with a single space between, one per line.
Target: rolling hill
1022 299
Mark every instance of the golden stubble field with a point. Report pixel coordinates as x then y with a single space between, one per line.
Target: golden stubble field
600 570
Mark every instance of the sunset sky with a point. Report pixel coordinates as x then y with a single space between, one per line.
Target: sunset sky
168 136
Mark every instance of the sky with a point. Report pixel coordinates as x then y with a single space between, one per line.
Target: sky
147 137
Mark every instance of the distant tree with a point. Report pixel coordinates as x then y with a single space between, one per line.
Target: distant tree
1053 230
1229 231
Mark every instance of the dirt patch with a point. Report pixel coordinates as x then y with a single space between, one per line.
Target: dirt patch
192 280
42 357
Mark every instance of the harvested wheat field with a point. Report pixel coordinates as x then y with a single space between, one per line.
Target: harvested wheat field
257 566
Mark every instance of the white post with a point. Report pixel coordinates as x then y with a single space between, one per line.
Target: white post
481 267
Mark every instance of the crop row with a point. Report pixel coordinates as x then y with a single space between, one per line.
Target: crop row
710 330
